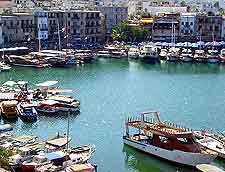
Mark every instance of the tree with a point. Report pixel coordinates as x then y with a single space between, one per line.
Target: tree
183 4
125 32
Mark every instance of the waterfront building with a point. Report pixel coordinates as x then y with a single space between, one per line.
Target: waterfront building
154 8
223 28
209 27
1 35
41 23
18 27
188 26
134 7
75 25
166 27
222 4
113 15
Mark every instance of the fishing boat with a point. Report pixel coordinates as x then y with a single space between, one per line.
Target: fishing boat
149 54
81 154
81 168
5 128
47 107
27 61
222 55
164 140
163 54
133 53
27 112
85 56
65 103
8 109
212 56
173 55
55 158
186 55
23 154
199 56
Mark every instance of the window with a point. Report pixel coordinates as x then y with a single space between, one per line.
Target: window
183 140
191 23
163 139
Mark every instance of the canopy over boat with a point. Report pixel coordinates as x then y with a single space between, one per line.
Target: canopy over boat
47 84
55 155
157 127
49 102
208 168
58 142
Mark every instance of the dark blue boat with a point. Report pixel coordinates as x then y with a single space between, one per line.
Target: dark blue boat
27 112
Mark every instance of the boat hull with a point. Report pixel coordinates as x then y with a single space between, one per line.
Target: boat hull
213 60
149 59
176 156
27 118
172 59
187 59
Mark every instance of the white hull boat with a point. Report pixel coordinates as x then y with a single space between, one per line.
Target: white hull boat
185 158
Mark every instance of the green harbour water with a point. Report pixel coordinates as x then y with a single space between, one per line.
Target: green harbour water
192 95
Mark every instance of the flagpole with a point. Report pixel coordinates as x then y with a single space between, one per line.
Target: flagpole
39 40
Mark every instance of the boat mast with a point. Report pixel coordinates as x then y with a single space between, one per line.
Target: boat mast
68 130
59 36
39 39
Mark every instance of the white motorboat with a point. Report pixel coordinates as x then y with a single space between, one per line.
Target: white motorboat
149 54
133 53
173 55
186 55
200 56
103 54
213 56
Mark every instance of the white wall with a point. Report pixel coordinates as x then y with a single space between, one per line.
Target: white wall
154 10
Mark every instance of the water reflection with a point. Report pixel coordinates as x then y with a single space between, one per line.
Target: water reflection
140 162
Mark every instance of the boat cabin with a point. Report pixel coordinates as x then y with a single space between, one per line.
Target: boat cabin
8 109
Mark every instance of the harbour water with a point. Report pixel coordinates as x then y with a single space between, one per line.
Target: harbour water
192 95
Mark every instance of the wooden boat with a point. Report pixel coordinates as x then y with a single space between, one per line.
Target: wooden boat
81 168
27 61
222 56
200 56
65 103
8 109
149 54
173 55
47 107
27 112
165 141
213 56
186 55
